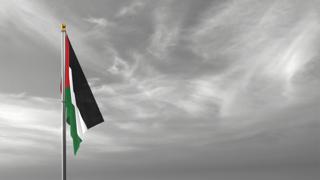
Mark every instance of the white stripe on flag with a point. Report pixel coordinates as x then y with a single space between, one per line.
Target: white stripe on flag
81 126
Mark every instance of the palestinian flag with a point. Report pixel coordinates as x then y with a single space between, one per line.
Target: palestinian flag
82 111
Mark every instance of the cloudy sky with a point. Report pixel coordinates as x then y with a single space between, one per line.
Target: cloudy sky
189 89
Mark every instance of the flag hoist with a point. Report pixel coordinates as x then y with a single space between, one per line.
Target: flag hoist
79 107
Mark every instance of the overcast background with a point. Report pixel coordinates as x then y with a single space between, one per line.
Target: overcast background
189 89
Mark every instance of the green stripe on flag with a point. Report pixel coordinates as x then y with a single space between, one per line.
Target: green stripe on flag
71 119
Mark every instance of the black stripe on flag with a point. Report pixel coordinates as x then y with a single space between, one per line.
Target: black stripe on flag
86 103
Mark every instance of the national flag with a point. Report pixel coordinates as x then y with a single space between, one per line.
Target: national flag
82 111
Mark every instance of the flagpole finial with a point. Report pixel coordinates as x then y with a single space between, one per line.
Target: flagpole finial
63 27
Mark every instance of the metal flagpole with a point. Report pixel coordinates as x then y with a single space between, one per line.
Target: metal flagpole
63 60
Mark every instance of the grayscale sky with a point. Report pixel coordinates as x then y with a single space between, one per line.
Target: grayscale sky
189 89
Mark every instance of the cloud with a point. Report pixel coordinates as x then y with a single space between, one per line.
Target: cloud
119 66
259 50
32 18
183 86
32 129
130 9
35 20
30 124
165 34
100 22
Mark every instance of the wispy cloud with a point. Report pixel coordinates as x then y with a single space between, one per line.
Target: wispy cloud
130 9
230 84
263 64
100 22
32 127
35 20
165 34
32 18
28 122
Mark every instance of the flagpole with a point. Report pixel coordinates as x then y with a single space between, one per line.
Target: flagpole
63 122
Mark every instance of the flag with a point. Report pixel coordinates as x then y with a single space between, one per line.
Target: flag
82 111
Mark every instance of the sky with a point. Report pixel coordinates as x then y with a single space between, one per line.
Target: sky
192 90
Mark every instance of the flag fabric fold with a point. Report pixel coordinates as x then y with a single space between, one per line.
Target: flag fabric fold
82 111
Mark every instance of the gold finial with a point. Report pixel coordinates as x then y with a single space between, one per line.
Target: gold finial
63 27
